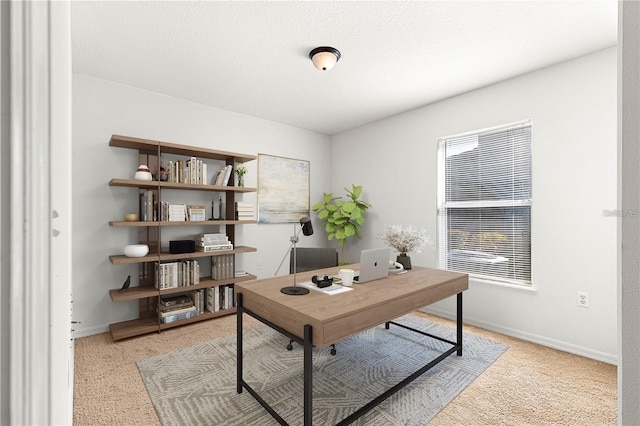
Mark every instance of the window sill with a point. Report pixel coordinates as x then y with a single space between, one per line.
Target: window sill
516 287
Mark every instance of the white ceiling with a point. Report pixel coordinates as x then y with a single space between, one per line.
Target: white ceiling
252 57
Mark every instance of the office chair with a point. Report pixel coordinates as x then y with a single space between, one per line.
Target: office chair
308 259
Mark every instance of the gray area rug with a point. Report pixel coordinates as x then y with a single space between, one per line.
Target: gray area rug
197 385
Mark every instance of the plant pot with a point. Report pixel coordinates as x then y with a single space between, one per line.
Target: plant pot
404 260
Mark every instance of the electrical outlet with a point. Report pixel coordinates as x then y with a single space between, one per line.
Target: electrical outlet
583 299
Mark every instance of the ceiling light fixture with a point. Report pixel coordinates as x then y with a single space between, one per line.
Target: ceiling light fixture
324 58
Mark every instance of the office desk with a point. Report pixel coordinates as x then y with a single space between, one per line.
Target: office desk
319 320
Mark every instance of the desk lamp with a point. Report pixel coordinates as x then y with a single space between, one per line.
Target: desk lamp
307 229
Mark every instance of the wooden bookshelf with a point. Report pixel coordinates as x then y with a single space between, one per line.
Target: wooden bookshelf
151 152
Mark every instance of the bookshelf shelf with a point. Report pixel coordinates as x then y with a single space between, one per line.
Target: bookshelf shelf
151 152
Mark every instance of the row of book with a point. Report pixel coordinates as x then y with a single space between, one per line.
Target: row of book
182 212
176 274
148 205
194 303
187 212
244 210
222 267
220 297
223 176
191 171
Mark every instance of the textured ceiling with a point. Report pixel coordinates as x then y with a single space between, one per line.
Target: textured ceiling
252 57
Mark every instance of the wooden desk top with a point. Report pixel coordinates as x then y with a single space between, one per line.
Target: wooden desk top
336 317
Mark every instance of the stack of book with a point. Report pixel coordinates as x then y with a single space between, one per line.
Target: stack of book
212 242
222 267
196 212
177 308
220 297
244 210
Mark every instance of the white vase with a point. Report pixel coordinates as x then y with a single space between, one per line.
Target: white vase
143 173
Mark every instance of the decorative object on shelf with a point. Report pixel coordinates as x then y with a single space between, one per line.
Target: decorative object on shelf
307 229
126 284
283 189
143 173
213 210
324 57
241 170
163 174
342 219
131 217
136 250
405 240
221 211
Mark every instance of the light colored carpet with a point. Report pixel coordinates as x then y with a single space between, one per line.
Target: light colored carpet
197 385
528 385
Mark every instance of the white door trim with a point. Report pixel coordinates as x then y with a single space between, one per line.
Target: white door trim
40 263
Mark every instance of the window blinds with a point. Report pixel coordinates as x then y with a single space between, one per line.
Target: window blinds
485 202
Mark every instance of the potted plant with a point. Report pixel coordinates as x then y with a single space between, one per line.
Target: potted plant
405 240
342 218
241 170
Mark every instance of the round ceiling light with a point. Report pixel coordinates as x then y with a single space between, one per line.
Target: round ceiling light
324 58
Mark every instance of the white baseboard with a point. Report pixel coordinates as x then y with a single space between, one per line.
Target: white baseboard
530 337
90 331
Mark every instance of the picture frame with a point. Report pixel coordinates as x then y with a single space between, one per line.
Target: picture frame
283 189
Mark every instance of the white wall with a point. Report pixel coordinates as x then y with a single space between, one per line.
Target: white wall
573 109
102 108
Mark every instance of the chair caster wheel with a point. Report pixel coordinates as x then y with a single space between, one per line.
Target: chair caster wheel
333 351
289 347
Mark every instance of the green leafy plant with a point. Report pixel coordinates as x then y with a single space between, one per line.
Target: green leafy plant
342 218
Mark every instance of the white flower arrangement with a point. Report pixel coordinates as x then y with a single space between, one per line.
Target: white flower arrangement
406 239
241 170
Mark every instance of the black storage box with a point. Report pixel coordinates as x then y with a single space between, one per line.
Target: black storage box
182 246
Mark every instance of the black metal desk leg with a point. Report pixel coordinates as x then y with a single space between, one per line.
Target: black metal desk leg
459 323
239 343
308 377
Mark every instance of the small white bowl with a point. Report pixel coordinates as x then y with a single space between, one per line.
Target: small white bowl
136 250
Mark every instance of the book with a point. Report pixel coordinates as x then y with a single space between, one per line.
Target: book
207 239
220 177
177 212
173 317
196 212
213 247
227 175
178 311
174 300
213 299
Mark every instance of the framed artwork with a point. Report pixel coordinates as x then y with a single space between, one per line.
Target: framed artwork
283 189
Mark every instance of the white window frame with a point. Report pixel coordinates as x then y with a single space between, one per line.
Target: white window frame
444 205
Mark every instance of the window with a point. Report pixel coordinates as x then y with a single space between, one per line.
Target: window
484 203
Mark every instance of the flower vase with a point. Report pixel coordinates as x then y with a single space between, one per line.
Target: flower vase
240 181
404 260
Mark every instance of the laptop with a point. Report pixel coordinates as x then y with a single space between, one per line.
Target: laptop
374 264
